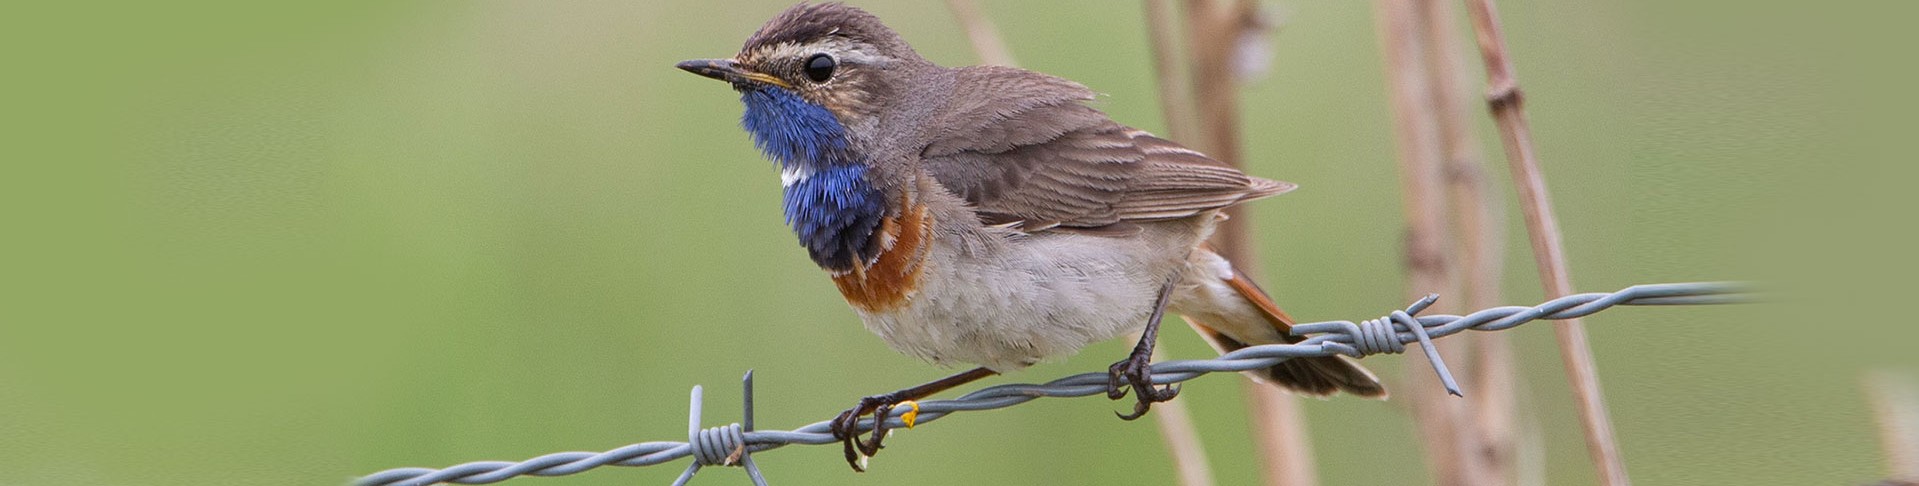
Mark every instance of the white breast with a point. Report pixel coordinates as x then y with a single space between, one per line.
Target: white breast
1005 300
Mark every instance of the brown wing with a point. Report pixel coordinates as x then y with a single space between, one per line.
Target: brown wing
1023 149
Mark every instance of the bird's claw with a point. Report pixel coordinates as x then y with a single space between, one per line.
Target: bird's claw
1136 372
846 428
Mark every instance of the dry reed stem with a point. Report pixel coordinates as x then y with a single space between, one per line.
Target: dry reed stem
1175 423
1441 421
1174 419
1421 182
1507 104
980 31
1529 458
1172 84
1279 435
1213 29
1477 213
1211 33
1489 415
1895 402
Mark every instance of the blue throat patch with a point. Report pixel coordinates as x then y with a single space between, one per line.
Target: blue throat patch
833 209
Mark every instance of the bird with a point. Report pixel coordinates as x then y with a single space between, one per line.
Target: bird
991 216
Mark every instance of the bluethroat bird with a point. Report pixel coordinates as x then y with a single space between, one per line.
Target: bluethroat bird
987 215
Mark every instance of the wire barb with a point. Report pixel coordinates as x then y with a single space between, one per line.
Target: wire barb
1379 336
733 444
720 446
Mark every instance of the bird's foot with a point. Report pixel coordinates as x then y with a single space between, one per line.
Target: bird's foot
846 426
1136 372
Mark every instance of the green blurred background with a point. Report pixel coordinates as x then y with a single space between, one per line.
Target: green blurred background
278 243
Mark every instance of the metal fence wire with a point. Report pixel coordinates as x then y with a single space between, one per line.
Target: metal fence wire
733 444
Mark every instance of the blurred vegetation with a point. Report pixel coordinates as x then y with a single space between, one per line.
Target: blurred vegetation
269 243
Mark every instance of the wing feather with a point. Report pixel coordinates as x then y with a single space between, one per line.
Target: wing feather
1023 149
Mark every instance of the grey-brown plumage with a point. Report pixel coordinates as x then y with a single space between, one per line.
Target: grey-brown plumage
988 215
1022 147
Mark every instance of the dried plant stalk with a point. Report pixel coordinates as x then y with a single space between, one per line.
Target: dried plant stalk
1422 187
1446 201
1443 423
1279 434
1895 402
1175 422
1508 108
1490 414
1214 29
980 31
1173 86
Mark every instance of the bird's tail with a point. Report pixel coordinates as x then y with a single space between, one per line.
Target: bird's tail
1231 312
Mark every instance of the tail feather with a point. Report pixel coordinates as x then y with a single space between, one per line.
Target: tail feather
1307 376
1225 302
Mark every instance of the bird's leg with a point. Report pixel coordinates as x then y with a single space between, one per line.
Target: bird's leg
846 426
1136 371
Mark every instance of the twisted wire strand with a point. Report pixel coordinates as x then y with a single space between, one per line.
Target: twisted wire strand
1388 334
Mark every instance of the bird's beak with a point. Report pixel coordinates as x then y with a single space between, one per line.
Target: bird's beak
730 71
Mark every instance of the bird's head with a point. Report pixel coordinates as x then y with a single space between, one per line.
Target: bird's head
815 81
828 55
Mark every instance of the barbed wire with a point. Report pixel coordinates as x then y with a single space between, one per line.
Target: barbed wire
733 444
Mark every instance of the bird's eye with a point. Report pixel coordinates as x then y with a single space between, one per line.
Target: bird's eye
820 67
